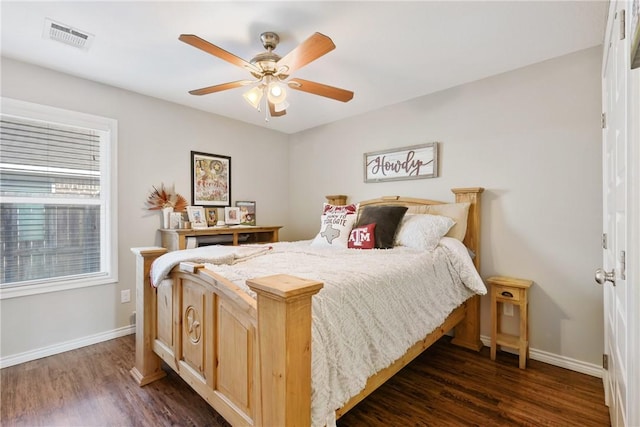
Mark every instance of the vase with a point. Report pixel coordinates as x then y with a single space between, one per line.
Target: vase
166 217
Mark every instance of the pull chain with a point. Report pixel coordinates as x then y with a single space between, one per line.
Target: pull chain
266 107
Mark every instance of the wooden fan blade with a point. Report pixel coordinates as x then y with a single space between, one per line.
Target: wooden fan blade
220 88
214 50
309 50
274 113
320 89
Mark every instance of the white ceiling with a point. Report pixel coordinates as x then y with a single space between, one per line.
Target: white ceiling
386 52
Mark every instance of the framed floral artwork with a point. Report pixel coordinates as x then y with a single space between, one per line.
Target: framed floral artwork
210 179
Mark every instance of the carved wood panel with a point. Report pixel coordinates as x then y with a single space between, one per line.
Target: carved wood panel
235 369
192 330
164 313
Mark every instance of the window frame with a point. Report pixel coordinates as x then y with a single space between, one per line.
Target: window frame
109 201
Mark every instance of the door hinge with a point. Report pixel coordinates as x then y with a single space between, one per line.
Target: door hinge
604 241
605 362
623 265
604 120
623 33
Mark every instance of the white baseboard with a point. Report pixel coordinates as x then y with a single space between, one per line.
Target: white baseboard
557 360
30 355
539 355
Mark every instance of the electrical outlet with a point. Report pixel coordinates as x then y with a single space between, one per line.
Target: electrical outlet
125 296
507 309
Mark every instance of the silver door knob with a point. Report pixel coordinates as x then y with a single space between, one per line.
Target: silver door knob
602 276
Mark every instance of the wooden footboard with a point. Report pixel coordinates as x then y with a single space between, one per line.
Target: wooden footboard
226 345
251 359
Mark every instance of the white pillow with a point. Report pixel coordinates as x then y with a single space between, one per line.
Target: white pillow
422 231
336 223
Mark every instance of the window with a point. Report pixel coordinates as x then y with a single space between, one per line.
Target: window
57 205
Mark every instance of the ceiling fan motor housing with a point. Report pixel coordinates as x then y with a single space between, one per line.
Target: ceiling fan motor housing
269 40
266 61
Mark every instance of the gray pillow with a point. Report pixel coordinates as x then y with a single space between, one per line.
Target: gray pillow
386 218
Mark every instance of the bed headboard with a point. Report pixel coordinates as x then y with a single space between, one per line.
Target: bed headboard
471 195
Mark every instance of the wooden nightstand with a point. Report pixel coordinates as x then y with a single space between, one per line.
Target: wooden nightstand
512 291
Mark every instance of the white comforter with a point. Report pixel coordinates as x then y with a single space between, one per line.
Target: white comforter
216 254
375 304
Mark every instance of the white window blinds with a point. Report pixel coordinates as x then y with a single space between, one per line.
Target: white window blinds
53 208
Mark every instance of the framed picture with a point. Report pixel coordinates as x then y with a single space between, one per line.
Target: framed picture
175 220
635 34
197 216
212 216
210 179
247 212
418 161
231 215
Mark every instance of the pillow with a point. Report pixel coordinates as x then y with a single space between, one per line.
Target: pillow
386 218
422 231
362 237
457 212
336 223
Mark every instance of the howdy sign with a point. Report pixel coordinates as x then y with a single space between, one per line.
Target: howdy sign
419 161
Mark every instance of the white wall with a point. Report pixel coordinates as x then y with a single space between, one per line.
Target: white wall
532 138
154 143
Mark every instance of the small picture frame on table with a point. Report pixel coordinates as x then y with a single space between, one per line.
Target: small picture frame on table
231 215
247 212
212 216
197 216
175 220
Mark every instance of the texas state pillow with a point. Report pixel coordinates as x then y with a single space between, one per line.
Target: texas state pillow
336 223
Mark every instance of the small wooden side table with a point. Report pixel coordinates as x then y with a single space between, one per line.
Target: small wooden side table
512 291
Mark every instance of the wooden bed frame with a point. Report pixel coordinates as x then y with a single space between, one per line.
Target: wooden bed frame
251 359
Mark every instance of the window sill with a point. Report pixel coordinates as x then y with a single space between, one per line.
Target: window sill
63 285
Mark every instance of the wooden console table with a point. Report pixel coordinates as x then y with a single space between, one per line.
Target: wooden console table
176 239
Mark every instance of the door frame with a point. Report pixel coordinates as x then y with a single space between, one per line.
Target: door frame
633 245
633 219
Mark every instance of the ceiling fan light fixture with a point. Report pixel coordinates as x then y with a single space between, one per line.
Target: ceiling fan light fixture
253 96
276 93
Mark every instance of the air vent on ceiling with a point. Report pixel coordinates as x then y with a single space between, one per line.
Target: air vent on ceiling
67 34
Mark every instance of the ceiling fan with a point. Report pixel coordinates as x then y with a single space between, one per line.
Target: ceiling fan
272 71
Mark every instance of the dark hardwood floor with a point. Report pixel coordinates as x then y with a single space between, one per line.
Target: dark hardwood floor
445 386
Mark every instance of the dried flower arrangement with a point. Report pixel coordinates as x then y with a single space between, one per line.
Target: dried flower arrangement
163 198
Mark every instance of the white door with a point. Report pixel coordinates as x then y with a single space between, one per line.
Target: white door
615 172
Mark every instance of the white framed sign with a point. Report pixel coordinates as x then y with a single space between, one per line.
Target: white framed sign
415 162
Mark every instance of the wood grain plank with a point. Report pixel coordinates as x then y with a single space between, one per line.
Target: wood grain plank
445 386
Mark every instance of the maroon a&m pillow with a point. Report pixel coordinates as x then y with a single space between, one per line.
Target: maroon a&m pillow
362 237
